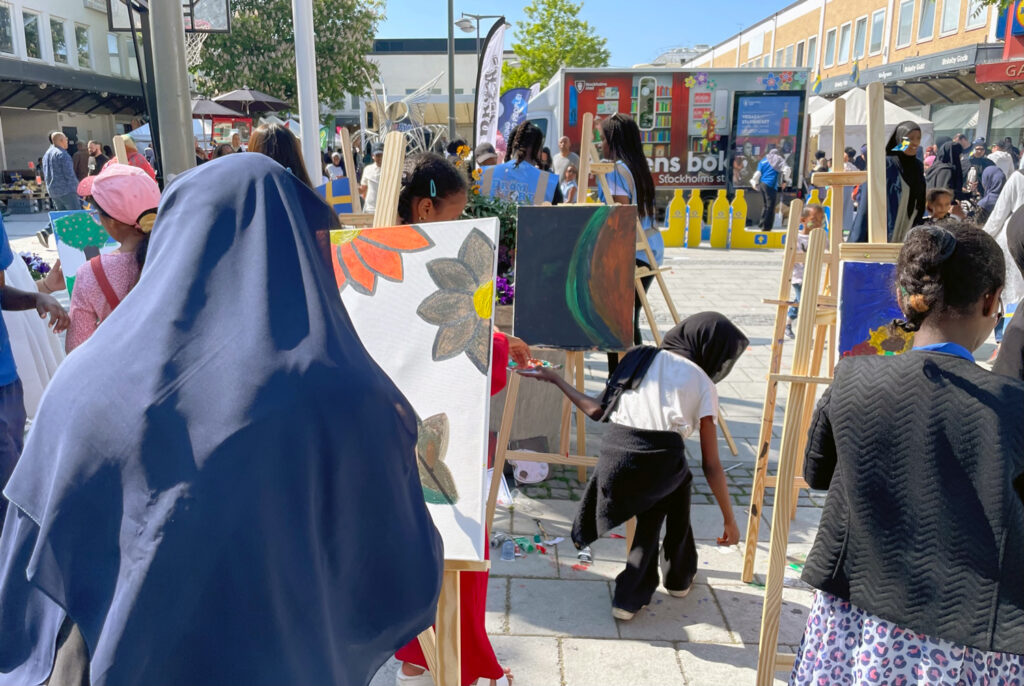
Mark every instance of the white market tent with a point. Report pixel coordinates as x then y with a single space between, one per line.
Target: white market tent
143 136
856 121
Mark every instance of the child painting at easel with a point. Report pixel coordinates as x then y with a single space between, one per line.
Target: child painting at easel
655 398
918 555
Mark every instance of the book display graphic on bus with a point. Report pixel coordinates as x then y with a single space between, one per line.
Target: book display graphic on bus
686 119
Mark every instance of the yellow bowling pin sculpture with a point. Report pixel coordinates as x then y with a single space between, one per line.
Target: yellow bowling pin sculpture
814 198
675 236
694 219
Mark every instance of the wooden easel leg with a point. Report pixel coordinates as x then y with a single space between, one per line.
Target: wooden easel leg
428 644
449 643
648 312
501 449
817 357
566 425
792 429
726 434
630 534
581 419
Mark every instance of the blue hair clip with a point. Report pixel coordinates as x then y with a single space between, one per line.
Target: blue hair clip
433 189
903 145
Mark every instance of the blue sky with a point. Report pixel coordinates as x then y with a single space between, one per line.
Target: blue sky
636 30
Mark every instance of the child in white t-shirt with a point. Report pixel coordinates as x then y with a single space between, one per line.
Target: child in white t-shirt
655 398
812 217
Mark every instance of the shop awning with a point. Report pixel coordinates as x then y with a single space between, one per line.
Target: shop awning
936 79
43 87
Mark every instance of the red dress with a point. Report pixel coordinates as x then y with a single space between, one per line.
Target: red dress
478 659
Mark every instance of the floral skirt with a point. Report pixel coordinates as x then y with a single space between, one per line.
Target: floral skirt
843 644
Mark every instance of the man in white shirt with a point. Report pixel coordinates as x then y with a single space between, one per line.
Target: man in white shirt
1002 158
564 158
371 177
334 169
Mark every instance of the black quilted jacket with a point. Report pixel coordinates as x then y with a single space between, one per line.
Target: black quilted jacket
923 458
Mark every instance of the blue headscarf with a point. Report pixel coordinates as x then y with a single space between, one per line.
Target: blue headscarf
992 181
220 486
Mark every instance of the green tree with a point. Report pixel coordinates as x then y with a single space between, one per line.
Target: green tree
260 53
553 36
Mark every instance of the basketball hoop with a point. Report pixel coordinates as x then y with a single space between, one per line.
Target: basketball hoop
195 35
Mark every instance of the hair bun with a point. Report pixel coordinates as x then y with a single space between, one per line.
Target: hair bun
943 237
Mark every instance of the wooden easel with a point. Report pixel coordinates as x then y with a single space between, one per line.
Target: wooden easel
800 404
441 647
350 170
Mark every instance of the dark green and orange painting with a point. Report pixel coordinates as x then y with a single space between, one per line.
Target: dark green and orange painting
575 275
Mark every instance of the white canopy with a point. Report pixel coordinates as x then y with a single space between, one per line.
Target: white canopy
143 136
856 121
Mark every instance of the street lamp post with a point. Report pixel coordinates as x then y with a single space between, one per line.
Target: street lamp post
468 21
451 71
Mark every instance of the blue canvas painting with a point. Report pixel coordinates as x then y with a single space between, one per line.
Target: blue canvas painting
867 308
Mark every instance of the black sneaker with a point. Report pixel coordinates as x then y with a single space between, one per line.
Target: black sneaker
789 332
44 238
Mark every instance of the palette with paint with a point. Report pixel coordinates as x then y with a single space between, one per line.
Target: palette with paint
534 364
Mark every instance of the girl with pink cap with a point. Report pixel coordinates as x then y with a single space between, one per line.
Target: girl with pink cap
126 199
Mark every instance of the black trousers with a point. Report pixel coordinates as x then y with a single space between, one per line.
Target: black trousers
636 584
645 281
769 196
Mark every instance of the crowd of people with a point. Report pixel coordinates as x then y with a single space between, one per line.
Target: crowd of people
164 496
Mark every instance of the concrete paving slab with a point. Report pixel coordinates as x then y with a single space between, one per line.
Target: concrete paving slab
695 618
707 664
624 663
742 606
496 618
532 565
548 607
609 559
534 661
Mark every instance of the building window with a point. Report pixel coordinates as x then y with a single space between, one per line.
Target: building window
355 102
830 49
780 60
860 38
114 51
844 44
60 41
906 26
789 55
133 62
84 50
6 30
950 17
926 27
812 52
800 54
33 40
977 15
877 27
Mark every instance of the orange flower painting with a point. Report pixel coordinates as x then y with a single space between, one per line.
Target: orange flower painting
360 256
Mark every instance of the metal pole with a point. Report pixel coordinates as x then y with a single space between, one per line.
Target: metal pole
478 40
148 85
451 71
308 96
170 75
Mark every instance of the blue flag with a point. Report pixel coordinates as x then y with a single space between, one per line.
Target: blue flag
338 195
514 107
855 74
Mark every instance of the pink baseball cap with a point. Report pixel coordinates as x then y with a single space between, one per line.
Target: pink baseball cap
122 191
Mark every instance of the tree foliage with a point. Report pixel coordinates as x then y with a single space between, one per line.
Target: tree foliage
260 52
553 36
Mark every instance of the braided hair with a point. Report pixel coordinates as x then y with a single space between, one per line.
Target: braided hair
427 175
947 267
623 138
526 144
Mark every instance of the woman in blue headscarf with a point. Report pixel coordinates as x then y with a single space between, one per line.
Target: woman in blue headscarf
992 181
220 486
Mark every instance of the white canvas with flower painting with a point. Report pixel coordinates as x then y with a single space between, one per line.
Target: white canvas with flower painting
421 298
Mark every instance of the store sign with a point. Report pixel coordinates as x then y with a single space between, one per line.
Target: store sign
1000 72
950 60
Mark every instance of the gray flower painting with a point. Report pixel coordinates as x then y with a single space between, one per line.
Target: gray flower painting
463 303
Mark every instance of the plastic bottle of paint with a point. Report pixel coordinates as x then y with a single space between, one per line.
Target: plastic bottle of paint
675 236
508 551
694 219
720 220
738 210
